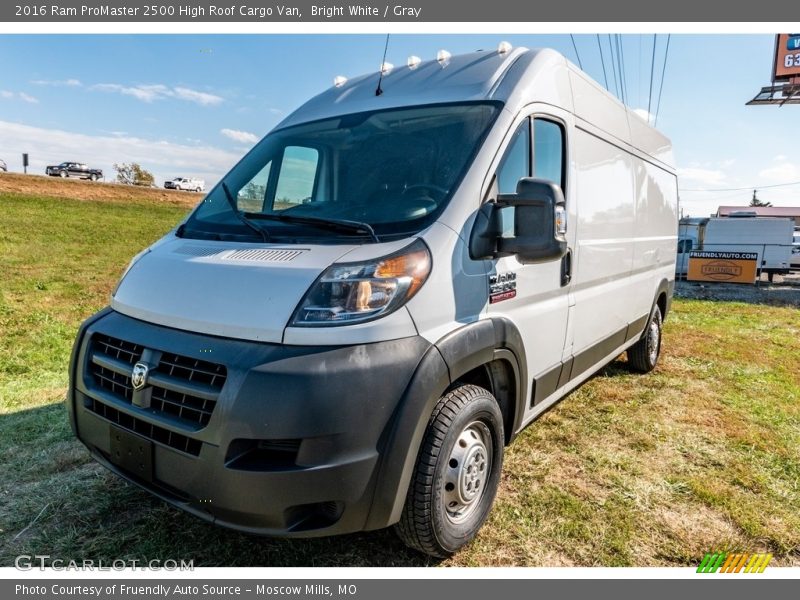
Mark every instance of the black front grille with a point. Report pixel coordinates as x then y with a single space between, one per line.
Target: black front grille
181 388
145 429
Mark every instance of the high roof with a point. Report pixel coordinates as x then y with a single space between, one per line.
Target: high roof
516 77
459 78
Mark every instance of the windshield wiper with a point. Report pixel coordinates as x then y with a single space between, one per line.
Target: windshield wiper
341 224
242 216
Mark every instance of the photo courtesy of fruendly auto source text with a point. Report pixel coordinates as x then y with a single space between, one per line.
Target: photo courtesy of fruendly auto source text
381 300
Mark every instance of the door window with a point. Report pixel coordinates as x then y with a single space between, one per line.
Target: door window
516 163
548 151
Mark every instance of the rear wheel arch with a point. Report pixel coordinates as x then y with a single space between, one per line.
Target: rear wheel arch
663 296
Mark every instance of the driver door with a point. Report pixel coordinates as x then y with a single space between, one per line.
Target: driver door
541 304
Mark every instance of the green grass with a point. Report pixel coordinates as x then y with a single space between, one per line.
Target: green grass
703 454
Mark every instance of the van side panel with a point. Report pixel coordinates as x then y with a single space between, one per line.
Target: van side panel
604 303
655 234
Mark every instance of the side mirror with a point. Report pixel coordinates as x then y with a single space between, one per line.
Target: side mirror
539 224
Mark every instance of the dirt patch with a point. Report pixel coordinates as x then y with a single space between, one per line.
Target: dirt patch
783 291
55 187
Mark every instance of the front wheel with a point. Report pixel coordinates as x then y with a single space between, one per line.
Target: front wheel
457 473
93 177
643 355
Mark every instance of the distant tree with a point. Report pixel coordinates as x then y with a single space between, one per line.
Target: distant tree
756 202
134 174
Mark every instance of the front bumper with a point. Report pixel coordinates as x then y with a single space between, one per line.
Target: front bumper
292 445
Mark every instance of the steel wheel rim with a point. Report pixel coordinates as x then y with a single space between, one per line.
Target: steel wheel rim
468 469
653 339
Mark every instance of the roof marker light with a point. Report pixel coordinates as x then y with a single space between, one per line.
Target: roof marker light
386 67
413 61
339 81
443 56
504 48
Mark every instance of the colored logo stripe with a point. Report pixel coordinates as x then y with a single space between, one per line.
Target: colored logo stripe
734 563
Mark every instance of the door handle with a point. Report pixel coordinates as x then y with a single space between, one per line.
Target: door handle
566 268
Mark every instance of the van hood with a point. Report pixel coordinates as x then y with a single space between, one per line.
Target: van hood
220 288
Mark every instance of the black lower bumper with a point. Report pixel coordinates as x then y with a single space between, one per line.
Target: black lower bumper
292 446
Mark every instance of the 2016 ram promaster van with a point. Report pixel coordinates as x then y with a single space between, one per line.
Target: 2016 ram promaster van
349 329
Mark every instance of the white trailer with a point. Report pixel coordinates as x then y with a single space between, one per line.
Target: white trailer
770 238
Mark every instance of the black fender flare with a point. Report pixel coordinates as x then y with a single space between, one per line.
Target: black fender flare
666 287
444 362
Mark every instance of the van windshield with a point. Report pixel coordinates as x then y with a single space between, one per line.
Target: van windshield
394 170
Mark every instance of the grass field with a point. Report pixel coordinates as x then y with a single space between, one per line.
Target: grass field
703 454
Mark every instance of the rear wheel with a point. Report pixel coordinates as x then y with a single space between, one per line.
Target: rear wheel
457 473
643 355
63 174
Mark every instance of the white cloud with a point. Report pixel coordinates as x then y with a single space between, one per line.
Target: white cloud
58 82
164 159
27 98
644 115
21 95
705 177
203 98
240 136
152 92
783 172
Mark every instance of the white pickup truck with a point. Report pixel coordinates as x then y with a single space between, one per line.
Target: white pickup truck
186 184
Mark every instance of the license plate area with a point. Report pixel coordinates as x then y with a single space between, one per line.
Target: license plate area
132 452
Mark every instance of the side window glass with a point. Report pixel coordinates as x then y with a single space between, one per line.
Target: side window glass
297 177
516 163
252 195
548 151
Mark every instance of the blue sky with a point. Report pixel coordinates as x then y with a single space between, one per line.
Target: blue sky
191 105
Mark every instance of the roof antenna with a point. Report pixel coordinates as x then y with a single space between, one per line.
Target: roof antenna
378 90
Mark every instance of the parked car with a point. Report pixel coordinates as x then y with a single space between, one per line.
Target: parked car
186 184
74 169
3 166
416 278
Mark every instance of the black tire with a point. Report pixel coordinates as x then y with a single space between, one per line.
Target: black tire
465 422
63 174
198 190
93 177
643 355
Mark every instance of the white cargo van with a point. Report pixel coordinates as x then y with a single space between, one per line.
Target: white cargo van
380 296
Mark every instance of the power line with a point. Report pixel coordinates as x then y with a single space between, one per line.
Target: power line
652 68
619 68
741 189
639 73
663 71
602 60
575 47
621 60
613 67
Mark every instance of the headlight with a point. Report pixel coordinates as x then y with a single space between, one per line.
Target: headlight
356 292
